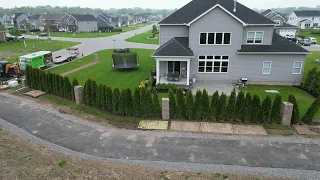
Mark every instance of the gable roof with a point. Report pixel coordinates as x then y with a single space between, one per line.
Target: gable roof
177 46
307 13
34 17
285 25
264 13
197 8
84 17
279 45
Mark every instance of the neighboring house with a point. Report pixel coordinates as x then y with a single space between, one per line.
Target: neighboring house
304 19
79 22
213 40
282 28
7 19
116 21
19 20
50 22
1 18
145 17
2 33
125 22
131 18
104 20
34 21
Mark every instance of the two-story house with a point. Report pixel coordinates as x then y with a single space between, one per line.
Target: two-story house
281 27
3 37
79 22
19 20
34 21
50 22
104 20
214 40
305 19
7 19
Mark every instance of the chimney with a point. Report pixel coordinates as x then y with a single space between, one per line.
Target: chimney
235 6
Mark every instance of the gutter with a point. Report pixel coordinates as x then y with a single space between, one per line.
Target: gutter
279 53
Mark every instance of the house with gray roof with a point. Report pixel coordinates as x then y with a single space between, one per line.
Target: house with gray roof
50 22
305 19
19 20
212 40
282 28
79 22
3 37
104 20
7 19
34 21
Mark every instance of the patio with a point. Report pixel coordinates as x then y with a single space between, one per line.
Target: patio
212 87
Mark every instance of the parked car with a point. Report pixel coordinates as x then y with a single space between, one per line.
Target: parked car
313 40
43 35
289 36
20 37
306 42
299 40
62 30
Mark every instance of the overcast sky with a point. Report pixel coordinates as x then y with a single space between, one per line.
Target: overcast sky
155 4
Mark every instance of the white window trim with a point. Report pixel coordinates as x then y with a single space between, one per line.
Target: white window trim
296 67
265 67
254 37
213 60
215 38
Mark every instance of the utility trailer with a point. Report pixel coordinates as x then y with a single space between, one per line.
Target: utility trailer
73 53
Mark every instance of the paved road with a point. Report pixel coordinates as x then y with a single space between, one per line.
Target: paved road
315 47
286 157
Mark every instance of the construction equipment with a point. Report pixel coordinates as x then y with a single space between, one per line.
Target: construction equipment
9 69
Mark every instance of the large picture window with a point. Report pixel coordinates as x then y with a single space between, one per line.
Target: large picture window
254 37
215 38
213 64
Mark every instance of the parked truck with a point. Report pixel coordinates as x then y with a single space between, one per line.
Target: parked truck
40 60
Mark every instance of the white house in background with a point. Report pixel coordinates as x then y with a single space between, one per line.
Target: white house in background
304 19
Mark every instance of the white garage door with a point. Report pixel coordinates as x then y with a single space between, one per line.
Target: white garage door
290 32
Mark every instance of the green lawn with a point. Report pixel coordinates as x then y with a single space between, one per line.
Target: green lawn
311 62
143 38
12 50
307 33
303 98
103 73
94 34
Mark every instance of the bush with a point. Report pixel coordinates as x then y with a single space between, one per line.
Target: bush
315 31
149 105
255 109
307 84
313 109
117 30
156 105
67 88
99 93
129 105
231 108
116 100
93 93
189 106
150 82
136 102
87 93
197 105
295 113
173 87
275 111
240 106
214 105
247 108
181 106
205 105
172 105
221 110
266 110
109 97
122 102
106 29
143 102
103 100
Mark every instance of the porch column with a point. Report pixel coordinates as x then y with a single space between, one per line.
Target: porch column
158 71
188 72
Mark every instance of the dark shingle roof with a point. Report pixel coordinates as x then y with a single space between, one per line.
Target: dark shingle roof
265 12
84 17
52 16
197 7
279 44
307 13
177 46
285 25
34 17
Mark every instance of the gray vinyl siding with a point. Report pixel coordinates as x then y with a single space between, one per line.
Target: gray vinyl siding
278 18
102 23
87 26
267 35
169 32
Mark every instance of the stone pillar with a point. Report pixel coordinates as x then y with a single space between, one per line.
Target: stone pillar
165 109
78 94
286 113
24 83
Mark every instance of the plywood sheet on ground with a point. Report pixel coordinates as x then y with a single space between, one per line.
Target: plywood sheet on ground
34 93
185 126
216 128
153 125
304 130
249 130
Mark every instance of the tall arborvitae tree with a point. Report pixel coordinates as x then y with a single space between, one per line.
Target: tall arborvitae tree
136 102
222 107
143 102
214 105
156 105
197 106
149 104
99 96
93 93
115 100
314 84
181 105
172 105
129 110
103 100
122 102
311 112
67 88
87 93
240 106
266 110
296 113
109 97
36 79
307 84
255 109
61 87
205 108
49 83
231 108
44 81
74 83
189 106
276 110
247 108
55 79
28 79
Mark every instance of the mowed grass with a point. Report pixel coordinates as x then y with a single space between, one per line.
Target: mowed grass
12 50
104 74
307 33
311 62
143 38
95 34
303 98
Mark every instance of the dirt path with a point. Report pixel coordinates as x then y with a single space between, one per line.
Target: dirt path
78 68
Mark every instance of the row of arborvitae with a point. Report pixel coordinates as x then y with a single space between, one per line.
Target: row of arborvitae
141 102
243 107
50 83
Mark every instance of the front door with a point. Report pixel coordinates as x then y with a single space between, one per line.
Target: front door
174 67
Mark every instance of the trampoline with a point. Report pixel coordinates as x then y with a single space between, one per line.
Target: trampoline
125 60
